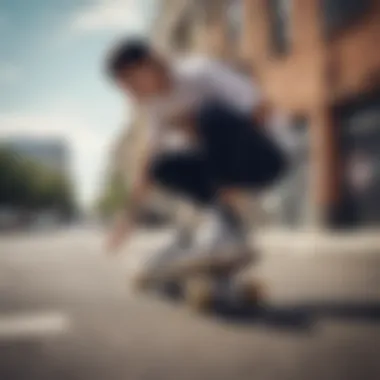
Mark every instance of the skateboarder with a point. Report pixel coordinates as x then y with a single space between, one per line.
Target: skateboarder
222 116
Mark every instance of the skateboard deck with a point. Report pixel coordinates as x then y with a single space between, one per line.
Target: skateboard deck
204 285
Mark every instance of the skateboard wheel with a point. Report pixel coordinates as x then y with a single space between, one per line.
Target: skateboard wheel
199 293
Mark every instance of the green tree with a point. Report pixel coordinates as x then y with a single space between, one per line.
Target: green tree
14 179
31 186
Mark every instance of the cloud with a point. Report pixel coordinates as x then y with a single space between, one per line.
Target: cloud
9 73
88 147
119 15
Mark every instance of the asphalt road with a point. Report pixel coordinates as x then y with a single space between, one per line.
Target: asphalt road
66 313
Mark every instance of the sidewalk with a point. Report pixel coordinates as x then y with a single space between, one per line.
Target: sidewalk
317 242
285 242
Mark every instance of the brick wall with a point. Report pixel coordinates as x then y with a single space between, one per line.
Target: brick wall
316 74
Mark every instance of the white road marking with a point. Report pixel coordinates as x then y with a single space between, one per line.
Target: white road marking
33 325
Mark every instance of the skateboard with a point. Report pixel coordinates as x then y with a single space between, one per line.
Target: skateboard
208 285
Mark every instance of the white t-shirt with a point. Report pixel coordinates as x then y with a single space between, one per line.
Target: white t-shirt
198 80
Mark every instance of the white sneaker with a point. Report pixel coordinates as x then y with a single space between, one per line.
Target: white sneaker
215 241
219 239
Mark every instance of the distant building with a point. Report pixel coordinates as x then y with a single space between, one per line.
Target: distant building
52 153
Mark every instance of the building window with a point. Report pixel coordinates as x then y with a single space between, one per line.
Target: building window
360 140
337 14
235 20
182 34
280 24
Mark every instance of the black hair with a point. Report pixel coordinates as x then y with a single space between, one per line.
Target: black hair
127 54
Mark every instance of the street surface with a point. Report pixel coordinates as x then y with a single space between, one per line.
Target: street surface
66 313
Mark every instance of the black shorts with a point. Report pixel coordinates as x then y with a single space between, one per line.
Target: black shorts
233 153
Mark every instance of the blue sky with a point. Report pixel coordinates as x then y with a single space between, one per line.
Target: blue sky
51 80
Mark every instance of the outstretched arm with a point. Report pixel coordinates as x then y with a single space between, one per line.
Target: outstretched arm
125 223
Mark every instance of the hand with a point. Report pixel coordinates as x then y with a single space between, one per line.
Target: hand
119 234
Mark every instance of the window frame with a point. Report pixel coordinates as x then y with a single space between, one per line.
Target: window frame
280 26
351 13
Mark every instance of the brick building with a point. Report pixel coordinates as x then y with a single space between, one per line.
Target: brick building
319 61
